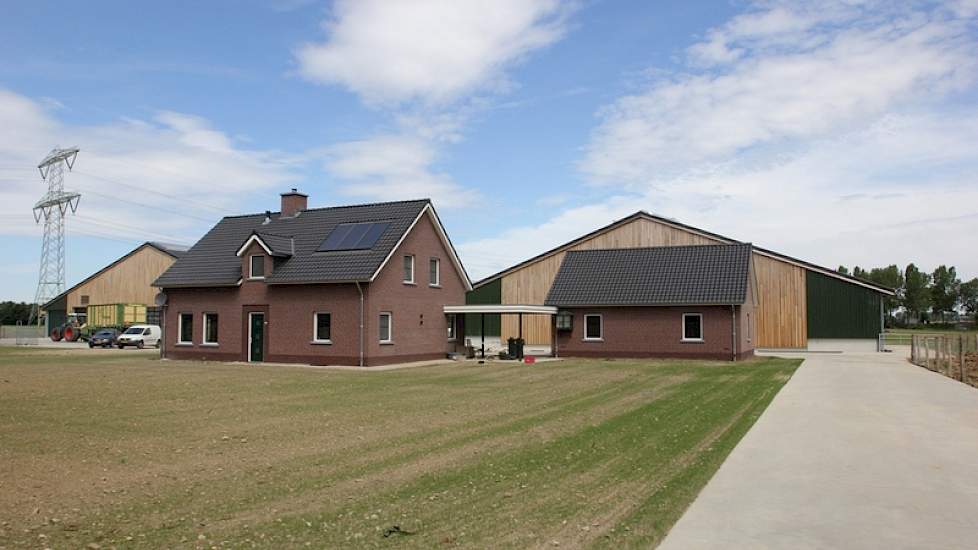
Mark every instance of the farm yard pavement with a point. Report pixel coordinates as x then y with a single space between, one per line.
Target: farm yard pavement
859 450
124 450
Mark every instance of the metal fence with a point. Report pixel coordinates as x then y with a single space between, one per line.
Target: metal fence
953 355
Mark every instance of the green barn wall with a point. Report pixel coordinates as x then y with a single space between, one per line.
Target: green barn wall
837 309
491 293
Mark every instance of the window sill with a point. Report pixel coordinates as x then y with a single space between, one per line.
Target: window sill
256 278
387 342
211 344
184 344
410 283
321 342
692 341
593 340
434 286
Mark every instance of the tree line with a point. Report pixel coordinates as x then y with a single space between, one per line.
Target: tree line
11 312
924 297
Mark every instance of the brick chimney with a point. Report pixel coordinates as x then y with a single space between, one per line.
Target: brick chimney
293 202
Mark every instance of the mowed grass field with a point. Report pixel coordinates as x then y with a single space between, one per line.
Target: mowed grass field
108 448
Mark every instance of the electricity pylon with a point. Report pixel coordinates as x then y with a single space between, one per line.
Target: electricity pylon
52 209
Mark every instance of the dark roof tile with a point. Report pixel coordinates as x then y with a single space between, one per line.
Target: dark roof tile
664 275
213 260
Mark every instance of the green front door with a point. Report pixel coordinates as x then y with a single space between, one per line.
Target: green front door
256 344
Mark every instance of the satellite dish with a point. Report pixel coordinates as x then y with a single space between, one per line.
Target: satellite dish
161 299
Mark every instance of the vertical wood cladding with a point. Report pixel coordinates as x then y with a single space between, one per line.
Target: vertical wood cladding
127 282
781 311
837 309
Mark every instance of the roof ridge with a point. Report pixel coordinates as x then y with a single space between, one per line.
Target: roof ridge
670 246
361 205
337 207
259 232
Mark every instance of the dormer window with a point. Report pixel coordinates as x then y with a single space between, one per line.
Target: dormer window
257 267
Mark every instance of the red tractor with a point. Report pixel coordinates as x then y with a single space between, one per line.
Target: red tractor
70 331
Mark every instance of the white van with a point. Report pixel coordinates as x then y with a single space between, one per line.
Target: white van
140 336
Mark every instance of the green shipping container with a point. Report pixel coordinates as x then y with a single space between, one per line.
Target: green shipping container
837 309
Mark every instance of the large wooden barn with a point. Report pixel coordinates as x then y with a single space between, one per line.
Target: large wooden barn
128 280
800 305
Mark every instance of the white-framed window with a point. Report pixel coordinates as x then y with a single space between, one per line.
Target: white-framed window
593 327
409 269
750 329
386 328
692 327
185 328
257 267
434 272
210 328
322 327
450 320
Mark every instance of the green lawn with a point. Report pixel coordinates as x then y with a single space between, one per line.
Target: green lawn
120 449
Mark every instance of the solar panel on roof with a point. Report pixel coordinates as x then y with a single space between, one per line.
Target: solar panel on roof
353 236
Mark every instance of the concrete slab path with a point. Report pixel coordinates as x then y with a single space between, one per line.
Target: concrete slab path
858 450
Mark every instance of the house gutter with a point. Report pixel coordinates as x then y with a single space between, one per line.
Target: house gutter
360 290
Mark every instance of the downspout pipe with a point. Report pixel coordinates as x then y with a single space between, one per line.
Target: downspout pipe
360 290
163 331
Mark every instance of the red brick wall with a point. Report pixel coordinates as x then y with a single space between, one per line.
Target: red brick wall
419 328
650 332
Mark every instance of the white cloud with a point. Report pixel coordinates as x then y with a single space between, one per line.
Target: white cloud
433 64
394 167
834 132
430 50
187 172
833 77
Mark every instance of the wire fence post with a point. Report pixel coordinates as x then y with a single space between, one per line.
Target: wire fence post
961 358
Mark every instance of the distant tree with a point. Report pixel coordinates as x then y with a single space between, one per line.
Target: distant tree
860 273
944 290
843 270
969 296
11 312
891 277
916 294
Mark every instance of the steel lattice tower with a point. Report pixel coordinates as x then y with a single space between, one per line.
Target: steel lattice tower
52 208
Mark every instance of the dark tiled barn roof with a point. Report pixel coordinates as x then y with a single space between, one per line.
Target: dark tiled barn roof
213 260
657 276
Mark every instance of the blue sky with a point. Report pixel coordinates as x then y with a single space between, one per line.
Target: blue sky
838 132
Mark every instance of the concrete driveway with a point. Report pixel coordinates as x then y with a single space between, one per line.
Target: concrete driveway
858 450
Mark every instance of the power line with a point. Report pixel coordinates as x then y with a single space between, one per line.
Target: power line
149 206
117 226
182 200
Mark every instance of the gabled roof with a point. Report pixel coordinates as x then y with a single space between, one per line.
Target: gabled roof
654 276
173 250
720 239
214 260
279 246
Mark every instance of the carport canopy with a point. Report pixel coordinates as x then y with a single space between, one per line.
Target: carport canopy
506 309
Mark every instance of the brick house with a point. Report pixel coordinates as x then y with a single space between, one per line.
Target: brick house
669 301
349 285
